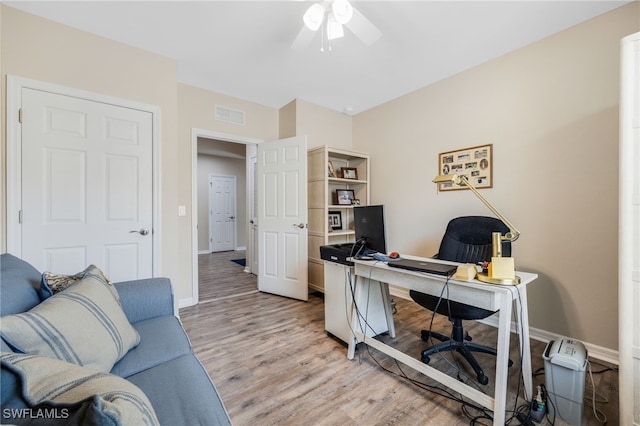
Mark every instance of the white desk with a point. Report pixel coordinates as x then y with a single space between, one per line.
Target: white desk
338 304
488 296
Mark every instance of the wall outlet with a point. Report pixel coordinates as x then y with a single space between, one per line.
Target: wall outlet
182 210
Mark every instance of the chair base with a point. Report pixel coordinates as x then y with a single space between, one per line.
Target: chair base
460 343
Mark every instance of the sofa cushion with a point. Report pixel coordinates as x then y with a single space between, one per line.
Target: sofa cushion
55 283
146 298
161 339
20 284
77 395
83 325
182 393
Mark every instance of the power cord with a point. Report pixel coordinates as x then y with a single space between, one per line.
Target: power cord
596 412
364 325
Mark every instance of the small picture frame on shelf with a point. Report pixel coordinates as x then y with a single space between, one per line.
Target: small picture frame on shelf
355 202
349 172
331 170
344 197
335 220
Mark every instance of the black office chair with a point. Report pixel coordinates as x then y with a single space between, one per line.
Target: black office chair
467 240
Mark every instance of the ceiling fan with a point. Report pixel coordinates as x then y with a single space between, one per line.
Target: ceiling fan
336 14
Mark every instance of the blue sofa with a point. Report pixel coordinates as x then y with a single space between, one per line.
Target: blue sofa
163 365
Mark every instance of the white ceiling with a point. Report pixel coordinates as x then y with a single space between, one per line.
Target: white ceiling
243 48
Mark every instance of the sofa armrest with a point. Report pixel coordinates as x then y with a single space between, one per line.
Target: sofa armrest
146 298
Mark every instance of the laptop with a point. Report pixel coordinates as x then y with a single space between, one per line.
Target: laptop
424 266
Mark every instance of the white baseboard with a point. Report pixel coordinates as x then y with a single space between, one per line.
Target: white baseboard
595 351
185 303
236 249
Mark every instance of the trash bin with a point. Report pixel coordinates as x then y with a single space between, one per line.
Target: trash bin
565 363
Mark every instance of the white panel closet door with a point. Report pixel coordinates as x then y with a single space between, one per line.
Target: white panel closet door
222 213
86 186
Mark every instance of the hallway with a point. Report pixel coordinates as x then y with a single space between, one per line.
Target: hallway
220 278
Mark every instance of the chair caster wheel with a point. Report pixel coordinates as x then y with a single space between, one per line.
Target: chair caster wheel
426 359
483 379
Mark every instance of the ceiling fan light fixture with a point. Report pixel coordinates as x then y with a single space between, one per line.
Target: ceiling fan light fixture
334 28
314 16
342 11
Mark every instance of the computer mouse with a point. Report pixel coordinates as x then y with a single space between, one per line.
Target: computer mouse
394 255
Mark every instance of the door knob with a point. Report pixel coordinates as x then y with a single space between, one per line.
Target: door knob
299 225
143 231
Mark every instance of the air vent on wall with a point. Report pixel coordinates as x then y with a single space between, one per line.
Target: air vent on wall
229 115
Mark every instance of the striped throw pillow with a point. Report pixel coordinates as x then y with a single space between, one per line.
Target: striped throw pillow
70 394
83 325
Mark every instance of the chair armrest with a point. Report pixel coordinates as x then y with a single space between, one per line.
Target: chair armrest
146 298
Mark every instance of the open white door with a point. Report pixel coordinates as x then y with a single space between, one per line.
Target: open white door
282 217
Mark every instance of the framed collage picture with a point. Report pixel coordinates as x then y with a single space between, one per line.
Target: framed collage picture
475 163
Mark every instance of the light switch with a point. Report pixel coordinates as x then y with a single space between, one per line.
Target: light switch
182 210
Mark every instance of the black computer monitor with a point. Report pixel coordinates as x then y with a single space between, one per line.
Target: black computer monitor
369 223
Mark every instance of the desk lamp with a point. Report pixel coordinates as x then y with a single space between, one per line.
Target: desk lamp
501 269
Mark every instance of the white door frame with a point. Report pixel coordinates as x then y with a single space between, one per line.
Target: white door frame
252 259
226 137
14 157
235 210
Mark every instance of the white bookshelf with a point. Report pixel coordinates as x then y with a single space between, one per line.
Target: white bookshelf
322 200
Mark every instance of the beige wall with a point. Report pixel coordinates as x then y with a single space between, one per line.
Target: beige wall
323 126
3 149
43 50
551 112
196 111
221 166
287 123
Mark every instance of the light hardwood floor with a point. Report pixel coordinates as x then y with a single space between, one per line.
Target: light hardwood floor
274 364
219 277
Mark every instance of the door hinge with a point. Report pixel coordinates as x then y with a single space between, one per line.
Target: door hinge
20 216
20 115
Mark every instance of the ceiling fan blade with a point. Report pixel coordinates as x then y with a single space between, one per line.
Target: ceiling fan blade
303 39
363 28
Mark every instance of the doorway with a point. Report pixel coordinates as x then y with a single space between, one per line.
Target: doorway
215 153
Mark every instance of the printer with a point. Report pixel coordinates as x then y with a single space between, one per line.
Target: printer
338 253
